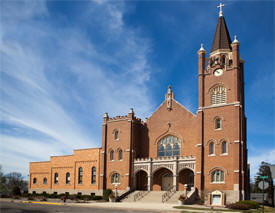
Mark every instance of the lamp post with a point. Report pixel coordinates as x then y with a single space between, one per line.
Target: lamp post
116 190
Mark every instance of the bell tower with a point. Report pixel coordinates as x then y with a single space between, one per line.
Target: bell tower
221 114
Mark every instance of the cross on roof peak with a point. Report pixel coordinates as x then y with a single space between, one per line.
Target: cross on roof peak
220 6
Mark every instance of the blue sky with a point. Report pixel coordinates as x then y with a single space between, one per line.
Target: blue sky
65 63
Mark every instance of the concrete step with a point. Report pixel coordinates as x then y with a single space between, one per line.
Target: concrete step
152 197
175 197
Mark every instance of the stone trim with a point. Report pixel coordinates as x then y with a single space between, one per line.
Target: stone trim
219 105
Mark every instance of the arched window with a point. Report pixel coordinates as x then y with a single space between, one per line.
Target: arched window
223 60
116 135
116 178
224 147
112 155
169 146
168 150
68 178
218 123
161 150
34 181
80 175
211 148
93 175
176 149
218 95
56 178
45 180
120 155
217 176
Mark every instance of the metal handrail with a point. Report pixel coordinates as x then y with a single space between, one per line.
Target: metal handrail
167 195
140 194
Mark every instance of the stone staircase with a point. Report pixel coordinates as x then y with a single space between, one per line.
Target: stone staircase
154 197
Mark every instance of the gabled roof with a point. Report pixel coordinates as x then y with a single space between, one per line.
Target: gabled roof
222 38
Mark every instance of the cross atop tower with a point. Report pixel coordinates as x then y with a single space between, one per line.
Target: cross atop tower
220 6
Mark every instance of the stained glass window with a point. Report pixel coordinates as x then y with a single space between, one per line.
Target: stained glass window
169 146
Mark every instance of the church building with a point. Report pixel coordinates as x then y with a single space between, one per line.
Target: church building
173 149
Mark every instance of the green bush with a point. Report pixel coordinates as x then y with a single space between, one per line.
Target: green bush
79 197
15 191
25 194
72 197
238 206
30 198
45 194
87 197
251 204
61 195
97 197
106 194
53 195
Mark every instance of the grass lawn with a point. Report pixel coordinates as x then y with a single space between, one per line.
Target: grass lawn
266 209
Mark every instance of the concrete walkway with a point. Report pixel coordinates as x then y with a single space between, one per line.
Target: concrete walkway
158 207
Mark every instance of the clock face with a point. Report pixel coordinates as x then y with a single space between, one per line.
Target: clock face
218 72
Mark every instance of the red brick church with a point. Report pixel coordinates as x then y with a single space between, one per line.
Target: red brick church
172 150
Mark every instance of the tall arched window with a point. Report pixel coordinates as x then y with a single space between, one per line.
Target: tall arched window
224 147
80 175
211 148
116 135
115 178
161 150
68 178
218 95
217 176
93 175
169 146
218 123
34 181
111 155
56 178
120 155
45 180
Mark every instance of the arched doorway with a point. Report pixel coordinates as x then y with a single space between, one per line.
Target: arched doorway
186 176
162 180
141 180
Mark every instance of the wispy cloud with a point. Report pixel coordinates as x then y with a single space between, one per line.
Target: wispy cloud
57 82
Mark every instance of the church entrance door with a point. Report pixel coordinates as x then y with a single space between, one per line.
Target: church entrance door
141 180
162 179
167 181
186 177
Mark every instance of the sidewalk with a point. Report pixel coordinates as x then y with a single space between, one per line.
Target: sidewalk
158 207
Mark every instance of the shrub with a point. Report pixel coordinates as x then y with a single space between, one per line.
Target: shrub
44 194
72 197
79 197
15 191
86 197
106 194
25 194
251 204
61 195
97 197
53 195
30 198
238 206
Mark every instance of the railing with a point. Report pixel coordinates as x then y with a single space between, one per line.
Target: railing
140 194
167 195
121 197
